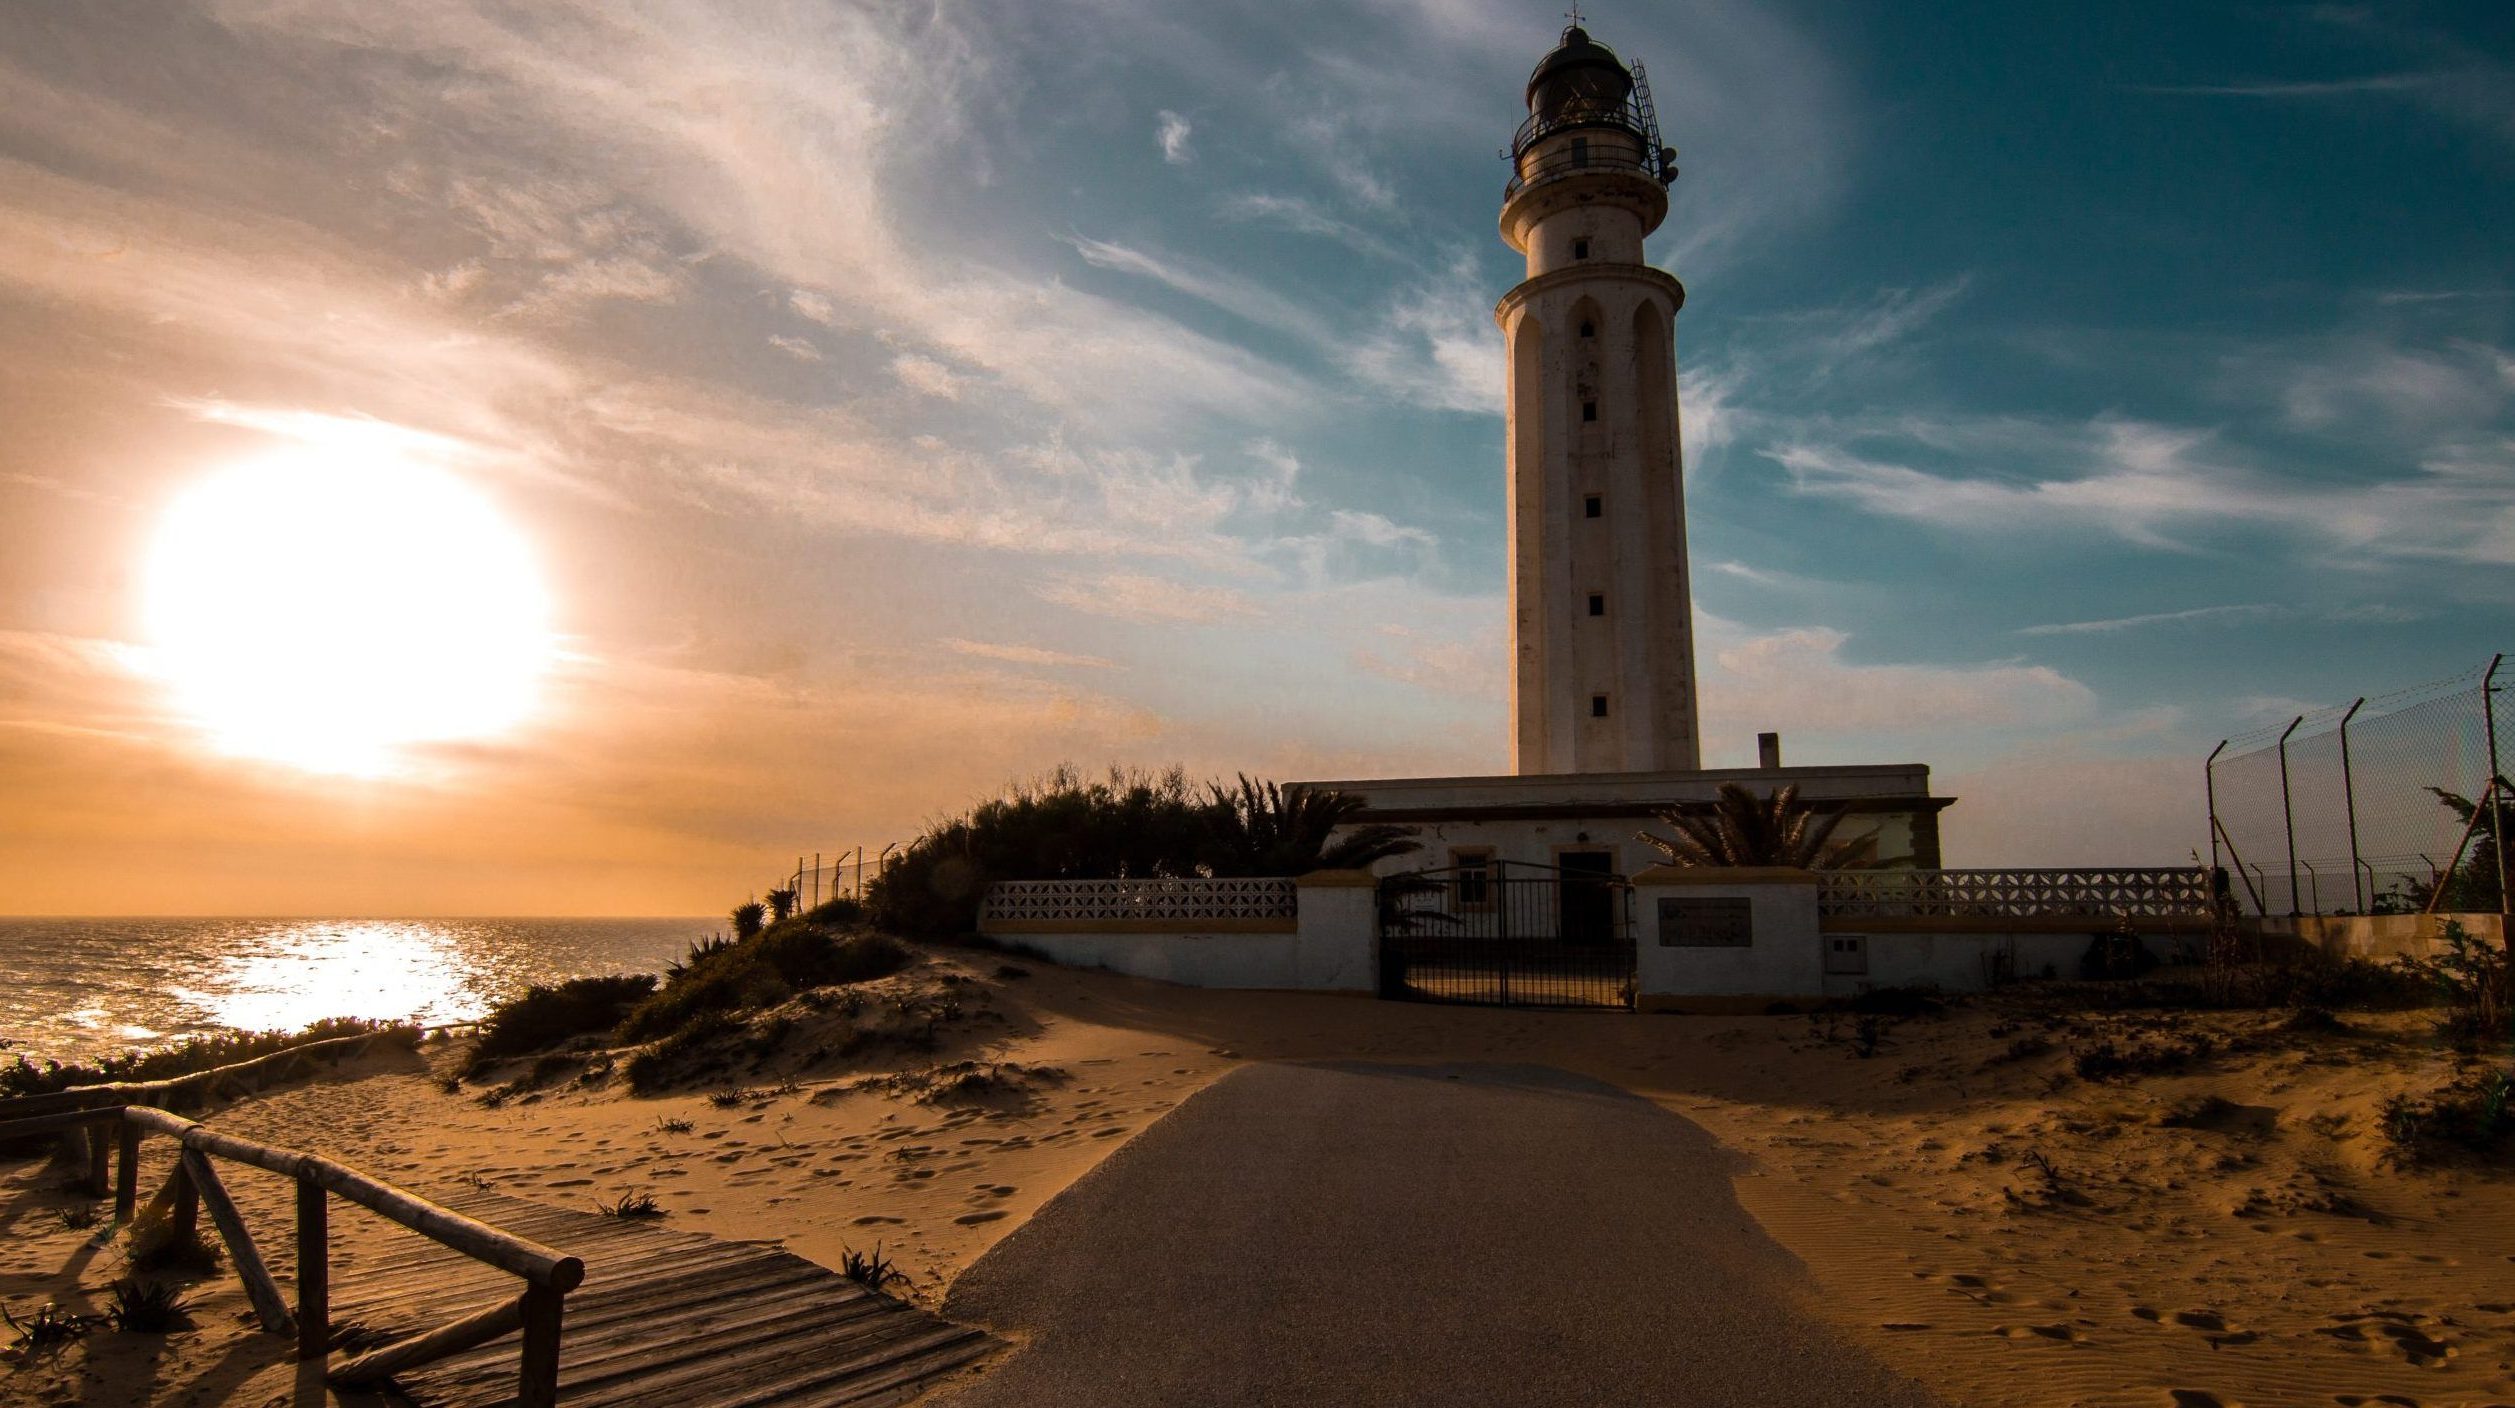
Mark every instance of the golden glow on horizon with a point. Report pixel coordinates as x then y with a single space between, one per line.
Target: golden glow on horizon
328 607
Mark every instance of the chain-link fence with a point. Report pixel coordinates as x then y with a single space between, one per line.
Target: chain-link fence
2383 805
816 880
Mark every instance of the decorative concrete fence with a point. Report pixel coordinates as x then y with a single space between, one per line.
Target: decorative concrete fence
1739 940
1316 931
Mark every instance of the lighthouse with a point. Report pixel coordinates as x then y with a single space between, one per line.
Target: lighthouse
1602 631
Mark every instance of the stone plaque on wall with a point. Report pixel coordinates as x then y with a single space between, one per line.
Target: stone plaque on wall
1706 923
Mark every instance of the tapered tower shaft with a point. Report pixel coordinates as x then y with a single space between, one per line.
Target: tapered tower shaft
1602 631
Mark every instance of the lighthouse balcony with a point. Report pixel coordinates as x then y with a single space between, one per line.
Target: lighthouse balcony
1585 139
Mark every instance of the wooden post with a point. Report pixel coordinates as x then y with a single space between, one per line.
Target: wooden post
268 1306
100 1176
537 1383
453 1337
314 1269
127 1177
184 1219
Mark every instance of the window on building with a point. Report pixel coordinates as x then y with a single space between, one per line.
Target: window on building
1580 151
1471 876
1593 506
1589 410
1598 706
1597 604
1580 250
1589 329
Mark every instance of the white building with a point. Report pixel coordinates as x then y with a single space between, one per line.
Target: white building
1604 728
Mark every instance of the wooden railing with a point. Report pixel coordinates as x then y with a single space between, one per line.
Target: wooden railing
284 1064
193 1184
2177 892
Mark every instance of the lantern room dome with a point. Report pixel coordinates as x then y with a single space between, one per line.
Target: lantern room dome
1579 73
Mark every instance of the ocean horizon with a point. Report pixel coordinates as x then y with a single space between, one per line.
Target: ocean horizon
86 986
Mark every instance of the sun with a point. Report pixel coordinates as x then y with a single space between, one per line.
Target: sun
331 608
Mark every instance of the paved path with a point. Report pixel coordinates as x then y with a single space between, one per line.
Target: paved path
1387 1235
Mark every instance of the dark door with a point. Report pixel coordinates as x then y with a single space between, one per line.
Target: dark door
1587 897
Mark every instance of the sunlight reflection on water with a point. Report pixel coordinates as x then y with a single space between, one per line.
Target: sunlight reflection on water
80 987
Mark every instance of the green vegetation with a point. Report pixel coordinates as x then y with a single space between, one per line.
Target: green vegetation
2470 1115
156 1242
1742 830
871 1272
1129 825
183 1058
546 1016
2472 976
781 903
749 918
49 1328
147 1307
760 971
631 1206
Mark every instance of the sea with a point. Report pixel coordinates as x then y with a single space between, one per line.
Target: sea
78 988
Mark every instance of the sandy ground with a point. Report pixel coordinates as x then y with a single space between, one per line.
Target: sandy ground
2257 1251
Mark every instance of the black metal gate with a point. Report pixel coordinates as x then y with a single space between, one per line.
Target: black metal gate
1509 933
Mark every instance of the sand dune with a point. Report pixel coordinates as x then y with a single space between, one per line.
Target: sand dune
2008 1235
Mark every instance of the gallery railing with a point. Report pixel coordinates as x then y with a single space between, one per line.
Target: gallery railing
1184 901
2171 892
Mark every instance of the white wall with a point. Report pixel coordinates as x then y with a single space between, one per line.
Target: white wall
1334 947
1783 962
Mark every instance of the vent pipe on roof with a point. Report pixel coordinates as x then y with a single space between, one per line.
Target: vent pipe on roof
1768 750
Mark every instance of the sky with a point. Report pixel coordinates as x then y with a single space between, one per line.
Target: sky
897 399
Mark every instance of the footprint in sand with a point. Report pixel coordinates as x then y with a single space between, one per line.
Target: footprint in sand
2063 1334
877 1219
997 1190
2209 1320
2360 1400
972 1219
2198 1398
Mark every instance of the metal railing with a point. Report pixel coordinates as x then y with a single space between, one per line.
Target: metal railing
2177 892
194 1184
1186 901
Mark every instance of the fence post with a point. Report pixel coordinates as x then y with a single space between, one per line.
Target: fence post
2497 794
314 1269
2289 813
127 1175
2209 788
2349 798
537 1382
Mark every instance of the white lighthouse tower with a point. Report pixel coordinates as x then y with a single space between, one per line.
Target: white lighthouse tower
1602 631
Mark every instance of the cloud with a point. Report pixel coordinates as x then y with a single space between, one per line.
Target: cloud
2227 613
1436 344
801 349
1171 134
927 375
1798 680
2147 483
1136 596
1303 216
1025 654
1241 297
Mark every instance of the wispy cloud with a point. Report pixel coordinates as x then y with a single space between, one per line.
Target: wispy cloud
2227 614
1025 654
1303 216
1171 133
1136 596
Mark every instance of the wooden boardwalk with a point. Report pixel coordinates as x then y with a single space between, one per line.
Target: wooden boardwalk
665 1319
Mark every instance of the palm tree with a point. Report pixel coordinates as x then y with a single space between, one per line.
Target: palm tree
1266 828
1743 829
748 917
780 904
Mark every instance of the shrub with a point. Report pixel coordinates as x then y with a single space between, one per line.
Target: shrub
780 904
2116 955
840 913
156 1243
871 1272
544 1016
2471 1113
2106 1061
146 1307
200 1053
631 1206
682 1055
49 1328
2471 975
748 918
762 971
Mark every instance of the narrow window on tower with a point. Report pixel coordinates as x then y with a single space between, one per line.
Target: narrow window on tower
1597 604
1589 410
1589 329
1580 250
1598 706
1593 506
